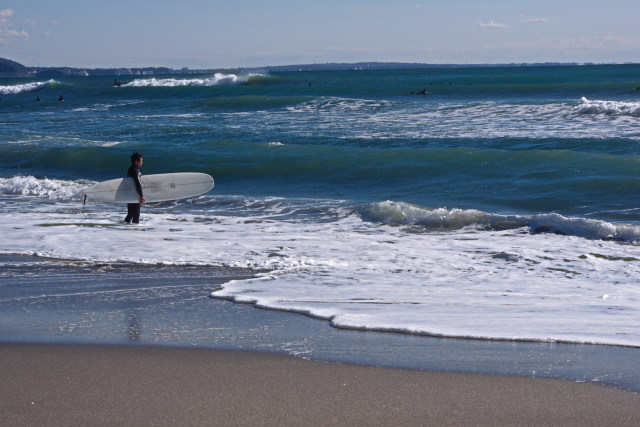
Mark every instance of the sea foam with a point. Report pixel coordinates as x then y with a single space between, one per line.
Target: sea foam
25 87
42 187
475 283
611 108
217 79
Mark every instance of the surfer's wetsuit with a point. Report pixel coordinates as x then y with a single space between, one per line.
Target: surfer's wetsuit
133 209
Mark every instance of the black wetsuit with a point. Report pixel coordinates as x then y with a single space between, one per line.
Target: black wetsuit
133 209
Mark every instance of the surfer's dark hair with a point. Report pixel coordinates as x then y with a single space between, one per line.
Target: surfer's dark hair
135 157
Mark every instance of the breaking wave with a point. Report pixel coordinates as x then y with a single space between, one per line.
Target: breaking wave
216 80
45 188
443 219
609 108
25 87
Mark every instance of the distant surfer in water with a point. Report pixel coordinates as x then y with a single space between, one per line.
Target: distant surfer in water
133 209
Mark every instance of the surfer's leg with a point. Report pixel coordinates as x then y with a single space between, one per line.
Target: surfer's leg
131 212
135 212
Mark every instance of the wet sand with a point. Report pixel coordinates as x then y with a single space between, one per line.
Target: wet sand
52 301
147 385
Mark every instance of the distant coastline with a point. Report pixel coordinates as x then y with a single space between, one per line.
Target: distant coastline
9 68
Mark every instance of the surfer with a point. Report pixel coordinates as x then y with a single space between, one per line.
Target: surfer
133 209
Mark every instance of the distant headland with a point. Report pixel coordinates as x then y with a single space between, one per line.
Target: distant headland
9 68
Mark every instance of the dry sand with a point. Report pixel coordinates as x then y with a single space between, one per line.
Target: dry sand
138 385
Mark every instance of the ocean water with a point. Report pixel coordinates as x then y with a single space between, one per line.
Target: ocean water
504 204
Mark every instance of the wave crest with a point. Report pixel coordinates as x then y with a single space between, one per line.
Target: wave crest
443 219
25 87
216 80
45 188
609 108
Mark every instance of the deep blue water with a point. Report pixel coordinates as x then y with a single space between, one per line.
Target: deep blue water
524 140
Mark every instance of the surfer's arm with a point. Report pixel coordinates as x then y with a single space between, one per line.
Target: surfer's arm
136 180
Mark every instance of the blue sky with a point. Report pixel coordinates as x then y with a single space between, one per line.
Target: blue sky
249 33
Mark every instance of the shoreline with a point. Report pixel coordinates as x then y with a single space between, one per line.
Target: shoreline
328 320
55 302
247 328
148 385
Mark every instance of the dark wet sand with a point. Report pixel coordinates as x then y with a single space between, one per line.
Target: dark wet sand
145 385
53 301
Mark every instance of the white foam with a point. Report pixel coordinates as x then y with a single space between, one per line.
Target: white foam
505 284
442 219
109 143
25 87
611 108
217 79
351 118
334 105
45 188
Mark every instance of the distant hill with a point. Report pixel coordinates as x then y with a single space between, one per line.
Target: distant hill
10 67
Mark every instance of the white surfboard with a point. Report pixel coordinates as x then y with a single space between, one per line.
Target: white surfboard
156 188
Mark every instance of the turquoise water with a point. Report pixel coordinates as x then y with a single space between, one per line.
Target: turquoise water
518 182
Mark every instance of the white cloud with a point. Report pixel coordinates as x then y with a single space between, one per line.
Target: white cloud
6 33
492 24
526 21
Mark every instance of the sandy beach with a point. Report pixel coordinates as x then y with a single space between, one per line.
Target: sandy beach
145 385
